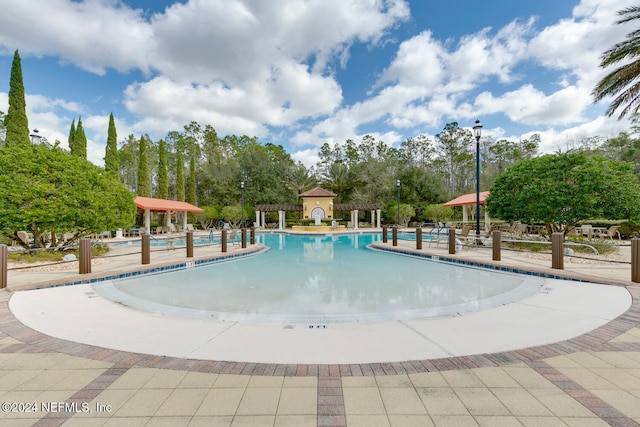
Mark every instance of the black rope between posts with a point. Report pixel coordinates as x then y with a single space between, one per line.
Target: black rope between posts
156 249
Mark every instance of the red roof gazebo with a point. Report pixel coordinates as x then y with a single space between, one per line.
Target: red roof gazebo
150 204
468 203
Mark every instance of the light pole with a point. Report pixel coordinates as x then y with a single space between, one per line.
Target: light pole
477 132
242 187
398 185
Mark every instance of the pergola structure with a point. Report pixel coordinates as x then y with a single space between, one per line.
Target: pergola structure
354 208
261 212
149 204
468 203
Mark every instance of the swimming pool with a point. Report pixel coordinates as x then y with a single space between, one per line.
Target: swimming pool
172 242
320 279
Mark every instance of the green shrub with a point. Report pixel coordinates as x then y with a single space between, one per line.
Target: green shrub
629 229
97 249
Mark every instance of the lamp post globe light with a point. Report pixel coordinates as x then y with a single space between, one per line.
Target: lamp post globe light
398 219
477 132
35 137
242 188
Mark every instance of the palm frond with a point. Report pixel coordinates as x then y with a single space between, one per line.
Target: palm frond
628 14
624 81
617 80
623 50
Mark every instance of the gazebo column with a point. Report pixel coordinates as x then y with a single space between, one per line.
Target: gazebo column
167 219
258 218
355 219
263 219
184 221
378 211
373 218
465 215
147 220
280 220
487 220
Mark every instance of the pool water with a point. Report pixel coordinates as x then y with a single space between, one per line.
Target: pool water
172 241
321 279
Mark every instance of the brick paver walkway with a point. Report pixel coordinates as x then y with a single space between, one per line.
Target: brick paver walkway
589 380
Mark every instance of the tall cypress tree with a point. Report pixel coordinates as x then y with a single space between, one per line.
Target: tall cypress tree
192 181
179 177
111 150
79 141
163 184
143 169
16 123
72 135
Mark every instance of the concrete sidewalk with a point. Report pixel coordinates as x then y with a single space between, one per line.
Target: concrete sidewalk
587 380
591 267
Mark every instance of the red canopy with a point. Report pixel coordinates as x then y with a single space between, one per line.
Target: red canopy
467 199
163 205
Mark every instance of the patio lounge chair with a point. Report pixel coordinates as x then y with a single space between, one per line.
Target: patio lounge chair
135 231
609 232
25 237
233 237
511 229
464 234
585 230
521 230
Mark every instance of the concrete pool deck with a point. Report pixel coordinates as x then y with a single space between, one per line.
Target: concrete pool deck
483 371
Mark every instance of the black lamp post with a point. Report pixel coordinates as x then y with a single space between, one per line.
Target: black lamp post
398 185
242 187
477 132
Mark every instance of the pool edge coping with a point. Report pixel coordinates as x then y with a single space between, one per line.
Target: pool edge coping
547 273
143 269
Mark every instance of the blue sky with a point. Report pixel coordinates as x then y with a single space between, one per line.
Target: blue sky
300 73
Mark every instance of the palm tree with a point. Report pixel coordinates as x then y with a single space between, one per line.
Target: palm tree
624 81
339 178
299 179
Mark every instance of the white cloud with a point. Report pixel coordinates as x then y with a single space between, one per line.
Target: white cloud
255 67
531 106
93 34
439 76
308 157
260 64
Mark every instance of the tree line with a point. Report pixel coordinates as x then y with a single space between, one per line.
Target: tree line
199 166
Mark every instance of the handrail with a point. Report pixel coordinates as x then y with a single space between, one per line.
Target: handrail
434 226
274 226
144 231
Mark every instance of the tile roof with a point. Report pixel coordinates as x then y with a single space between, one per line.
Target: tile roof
467 199
318 192
163 205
